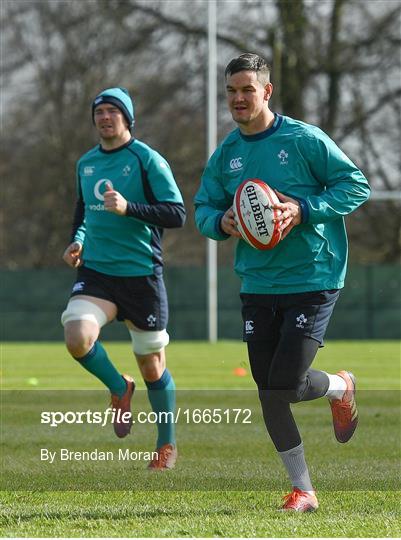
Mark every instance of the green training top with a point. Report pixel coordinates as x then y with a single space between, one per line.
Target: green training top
125 245
302 162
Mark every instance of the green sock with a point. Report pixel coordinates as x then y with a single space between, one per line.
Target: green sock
98 363
162 398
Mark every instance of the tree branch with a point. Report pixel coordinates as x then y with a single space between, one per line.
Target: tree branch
368 113
186 28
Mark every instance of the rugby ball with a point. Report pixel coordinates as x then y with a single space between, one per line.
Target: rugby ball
254 214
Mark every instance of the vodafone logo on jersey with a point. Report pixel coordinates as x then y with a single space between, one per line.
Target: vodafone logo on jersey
100 188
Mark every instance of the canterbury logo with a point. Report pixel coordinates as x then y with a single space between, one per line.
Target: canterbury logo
236 164
249 328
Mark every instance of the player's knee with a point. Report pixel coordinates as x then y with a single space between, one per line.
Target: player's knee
78 341
147 343
288 390
82 321
291 395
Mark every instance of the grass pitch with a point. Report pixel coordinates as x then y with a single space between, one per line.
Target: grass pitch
228 481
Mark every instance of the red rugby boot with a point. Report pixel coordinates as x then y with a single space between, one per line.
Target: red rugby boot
165 459
300 501
123 405
344 411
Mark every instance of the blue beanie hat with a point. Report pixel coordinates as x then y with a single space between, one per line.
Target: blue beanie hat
118 97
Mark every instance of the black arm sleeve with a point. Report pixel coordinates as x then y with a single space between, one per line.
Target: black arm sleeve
78 219
167 215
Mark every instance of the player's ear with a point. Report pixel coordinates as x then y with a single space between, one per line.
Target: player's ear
268 91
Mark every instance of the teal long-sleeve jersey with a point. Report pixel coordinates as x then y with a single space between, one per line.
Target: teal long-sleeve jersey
128 245
302 162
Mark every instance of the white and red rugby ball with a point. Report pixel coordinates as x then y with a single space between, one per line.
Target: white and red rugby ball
254 214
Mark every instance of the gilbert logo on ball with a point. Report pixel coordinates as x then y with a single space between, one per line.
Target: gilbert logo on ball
254 214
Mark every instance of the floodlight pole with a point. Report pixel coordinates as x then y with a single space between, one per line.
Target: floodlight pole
211 146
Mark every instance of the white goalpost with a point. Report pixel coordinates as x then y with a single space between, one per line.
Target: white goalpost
212 305
383 195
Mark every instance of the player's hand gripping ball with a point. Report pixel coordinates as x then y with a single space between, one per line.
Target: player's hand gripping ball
254 214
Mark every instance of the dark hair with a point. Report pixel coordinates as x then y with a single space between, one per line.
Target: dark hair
250 62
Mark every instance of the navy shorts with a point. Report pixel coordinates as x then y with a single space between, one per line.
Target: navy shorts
142 300
274 316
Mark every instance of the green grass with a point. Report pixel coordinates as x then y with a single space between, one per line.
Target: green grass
228 481
194 364
197 514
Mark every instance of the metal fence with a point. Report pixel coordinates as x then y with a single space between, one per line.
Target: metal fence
32 301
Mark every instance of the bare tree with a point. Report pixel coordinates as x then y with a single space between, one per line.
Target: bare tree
335 63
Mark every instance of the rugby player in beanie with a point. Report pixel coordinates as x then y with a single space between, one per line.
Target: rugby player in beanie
126 196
